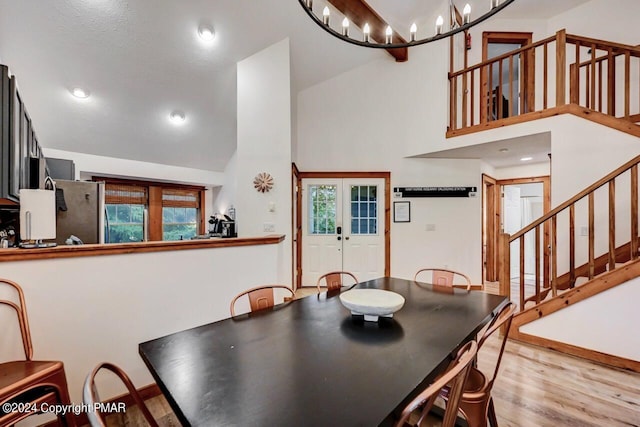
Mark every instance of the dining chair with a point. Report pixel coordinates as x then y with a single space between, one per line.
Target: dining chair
444 277
29 381
454 378
333 280
476 403
90 395
261 297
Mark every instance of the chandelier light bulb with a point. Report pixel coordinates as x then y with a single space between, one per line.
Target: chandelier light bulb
466 14
366 32
345 27
325 15
439 24
413 31
388 35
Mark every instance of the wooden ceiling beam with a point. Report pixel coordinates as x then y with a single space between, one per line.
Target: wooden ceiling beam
360 13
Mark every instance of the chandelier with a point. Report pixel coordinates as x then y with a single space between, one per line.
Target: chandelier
458 22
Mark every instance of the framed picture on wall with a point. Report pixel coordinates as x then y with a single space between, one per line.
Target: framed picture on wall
402 211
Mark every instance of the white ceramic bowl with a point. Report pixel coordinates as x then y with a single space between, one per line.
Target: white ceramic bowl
372 303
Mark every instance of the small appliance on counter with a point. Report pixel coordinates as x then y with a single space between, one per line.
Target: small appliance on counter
215 226
228 228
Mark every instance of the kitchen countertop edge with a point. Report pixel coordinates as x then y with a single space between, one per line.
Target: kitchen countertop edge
73 251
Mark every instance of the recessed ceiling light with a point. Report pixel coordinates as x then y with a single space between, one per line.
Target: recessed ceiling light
503 150
177 117
206 33
80 93
526 159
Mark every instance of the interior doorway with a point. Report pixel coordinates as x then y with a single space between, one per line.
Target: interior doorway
508 206
507 84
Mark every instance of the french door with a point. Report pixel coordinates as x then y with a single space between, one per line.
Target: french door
343 225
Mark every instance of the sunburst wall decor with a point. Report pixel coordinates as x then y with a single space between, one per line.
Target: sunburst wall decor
263 182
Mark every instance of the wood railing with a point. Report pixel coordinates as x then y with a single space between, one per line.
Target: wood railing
543 75
564 230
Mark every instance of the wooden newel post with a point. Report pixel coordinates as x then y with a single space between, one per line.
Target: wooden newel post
504 263
561 67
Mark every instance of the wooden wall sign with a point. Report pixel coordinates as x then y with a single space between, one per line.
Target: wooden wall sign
435 191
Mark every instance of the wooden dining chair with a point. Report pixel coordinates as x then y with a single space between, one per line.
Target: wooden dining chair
476 403
261 297
454 378
30 381
444 277
333 280
90 395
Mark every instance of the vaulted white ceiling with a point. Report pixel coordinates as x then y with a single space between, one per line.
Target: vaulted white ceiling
141 59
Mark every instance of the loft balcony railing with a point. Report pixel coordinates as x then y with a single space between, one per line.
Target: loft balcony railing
539 79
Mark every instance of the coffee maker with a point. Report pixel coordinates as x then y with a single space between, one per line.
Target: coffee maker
215 226
228 228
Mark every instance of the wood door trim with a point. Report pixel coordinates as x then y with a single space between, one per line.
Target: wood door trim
493 251
296 226
387 208
546 207
524 38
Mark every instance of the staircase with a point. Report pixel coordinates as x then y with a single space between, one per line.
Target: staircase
596 80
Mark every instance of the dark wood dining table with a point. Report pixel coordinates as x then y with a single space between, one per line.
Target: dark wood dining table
309 362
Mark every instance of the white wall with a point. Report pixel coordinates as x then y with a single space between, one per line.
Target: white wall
264 145
87 165
369 119
602 323
601 19
522 171
92 309
225 196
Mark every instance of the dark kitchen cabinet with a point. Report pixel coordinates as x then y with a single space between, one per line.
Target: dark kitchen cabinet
19 143
10 141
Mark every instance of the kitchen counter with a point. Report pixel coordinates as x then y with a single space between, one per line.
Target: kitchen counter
66 251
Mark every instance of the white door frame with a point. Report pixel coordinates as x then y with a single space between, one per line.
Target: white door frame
343 175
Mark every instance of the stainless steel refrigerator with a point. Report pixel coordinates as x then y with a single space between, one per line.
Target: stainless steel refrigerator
84 216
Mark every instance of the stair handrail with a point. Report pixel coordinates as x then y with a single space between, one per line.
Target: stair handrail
503 56
593 187
602 44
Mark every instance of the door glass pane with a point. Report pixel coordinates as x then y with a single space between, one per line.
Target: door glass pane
364 219
322 209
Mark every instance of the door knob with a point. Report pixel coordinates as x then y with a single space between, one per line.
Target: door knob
346 238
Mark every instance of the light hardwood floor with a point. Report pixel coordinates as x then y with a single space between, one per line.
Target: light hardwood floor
536 387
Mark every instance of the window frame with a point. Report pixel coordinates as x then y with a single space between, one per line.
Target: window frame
154 204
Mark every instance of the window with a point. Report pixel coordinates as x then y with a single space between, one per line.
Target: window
174 212
364 205
323 209
179 214
125 206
